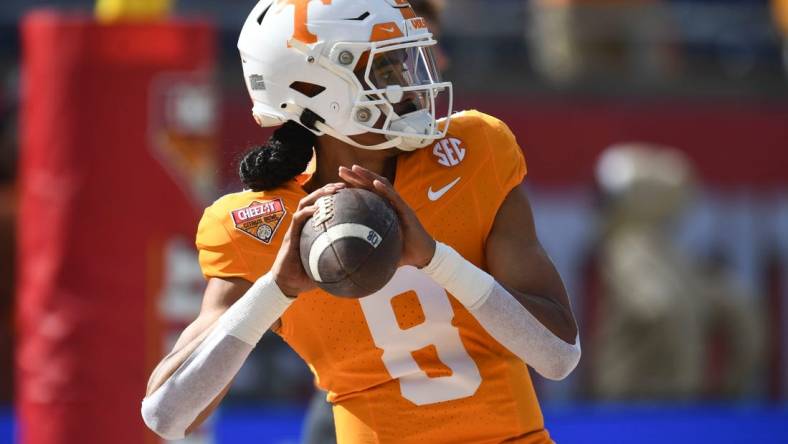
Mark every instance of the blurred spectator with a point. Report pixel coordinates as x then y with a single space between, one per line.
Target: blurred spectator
660 312
780 14
8 152
431 11
570 39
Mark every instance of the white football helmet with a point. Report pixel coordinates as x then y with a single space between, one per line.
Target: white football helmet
343 68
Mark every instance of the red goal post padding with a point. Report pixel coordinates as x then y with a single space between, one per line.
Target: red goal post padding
116 158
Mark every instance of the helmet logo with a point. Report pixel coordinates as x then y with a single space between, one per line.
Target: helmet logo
385 31
300 30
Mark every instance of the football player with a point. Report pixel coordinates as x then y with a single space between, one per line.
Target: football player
318 426
439 354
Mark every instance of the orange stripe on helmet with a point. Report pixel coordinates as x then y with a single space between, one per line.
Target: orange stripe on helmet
407 12
300 30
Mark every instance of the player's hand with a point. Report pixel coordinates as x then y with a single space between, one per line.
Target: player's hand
288 272
418 247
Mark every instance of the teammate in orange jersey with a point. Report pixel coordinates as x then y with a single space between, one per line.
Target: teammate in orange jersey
438 354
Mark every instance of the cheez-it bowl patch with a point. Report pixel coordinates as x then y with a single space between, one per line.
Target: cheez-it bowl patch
260 219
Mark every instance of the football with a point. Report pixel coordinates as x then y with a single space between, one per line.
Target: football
352 244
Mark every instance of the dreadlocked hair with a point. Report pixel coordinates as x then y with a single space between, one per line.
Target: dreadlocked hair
285 155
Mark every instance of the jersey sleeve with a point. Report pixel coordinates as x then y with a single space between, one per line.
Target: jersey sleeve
218 254
507 156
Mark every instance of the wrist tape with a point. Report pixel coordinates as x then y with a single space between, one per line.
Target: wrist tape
249 317
468 283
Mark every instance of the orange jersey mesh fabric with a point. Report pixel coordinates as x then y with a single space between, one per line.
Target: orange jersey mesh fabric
409 363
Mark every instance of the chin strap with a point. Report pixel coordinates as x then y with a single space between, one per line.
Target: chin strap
315 123
393 143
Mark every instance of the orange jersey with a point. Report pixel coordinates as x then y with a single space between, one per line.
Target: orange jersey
408 363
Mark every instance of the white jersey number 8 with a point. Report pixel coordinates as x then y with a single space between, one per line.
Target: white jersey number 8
397 344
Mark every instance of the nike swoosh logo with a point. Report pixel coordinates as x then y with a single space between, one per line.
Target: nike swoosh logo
389 29
435 195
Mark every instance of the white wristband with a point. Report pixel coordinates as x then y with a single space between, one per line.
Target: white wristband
249 317
468 283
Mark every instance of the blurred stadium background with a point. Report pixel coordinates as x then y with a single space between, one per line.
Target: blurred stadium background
656 134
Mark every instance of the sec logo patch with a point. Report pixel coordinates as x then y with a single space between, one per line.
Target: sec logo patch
449 152
260 219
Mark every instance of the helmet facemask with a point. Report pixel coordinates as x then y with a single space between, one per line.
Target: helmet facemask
398 89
